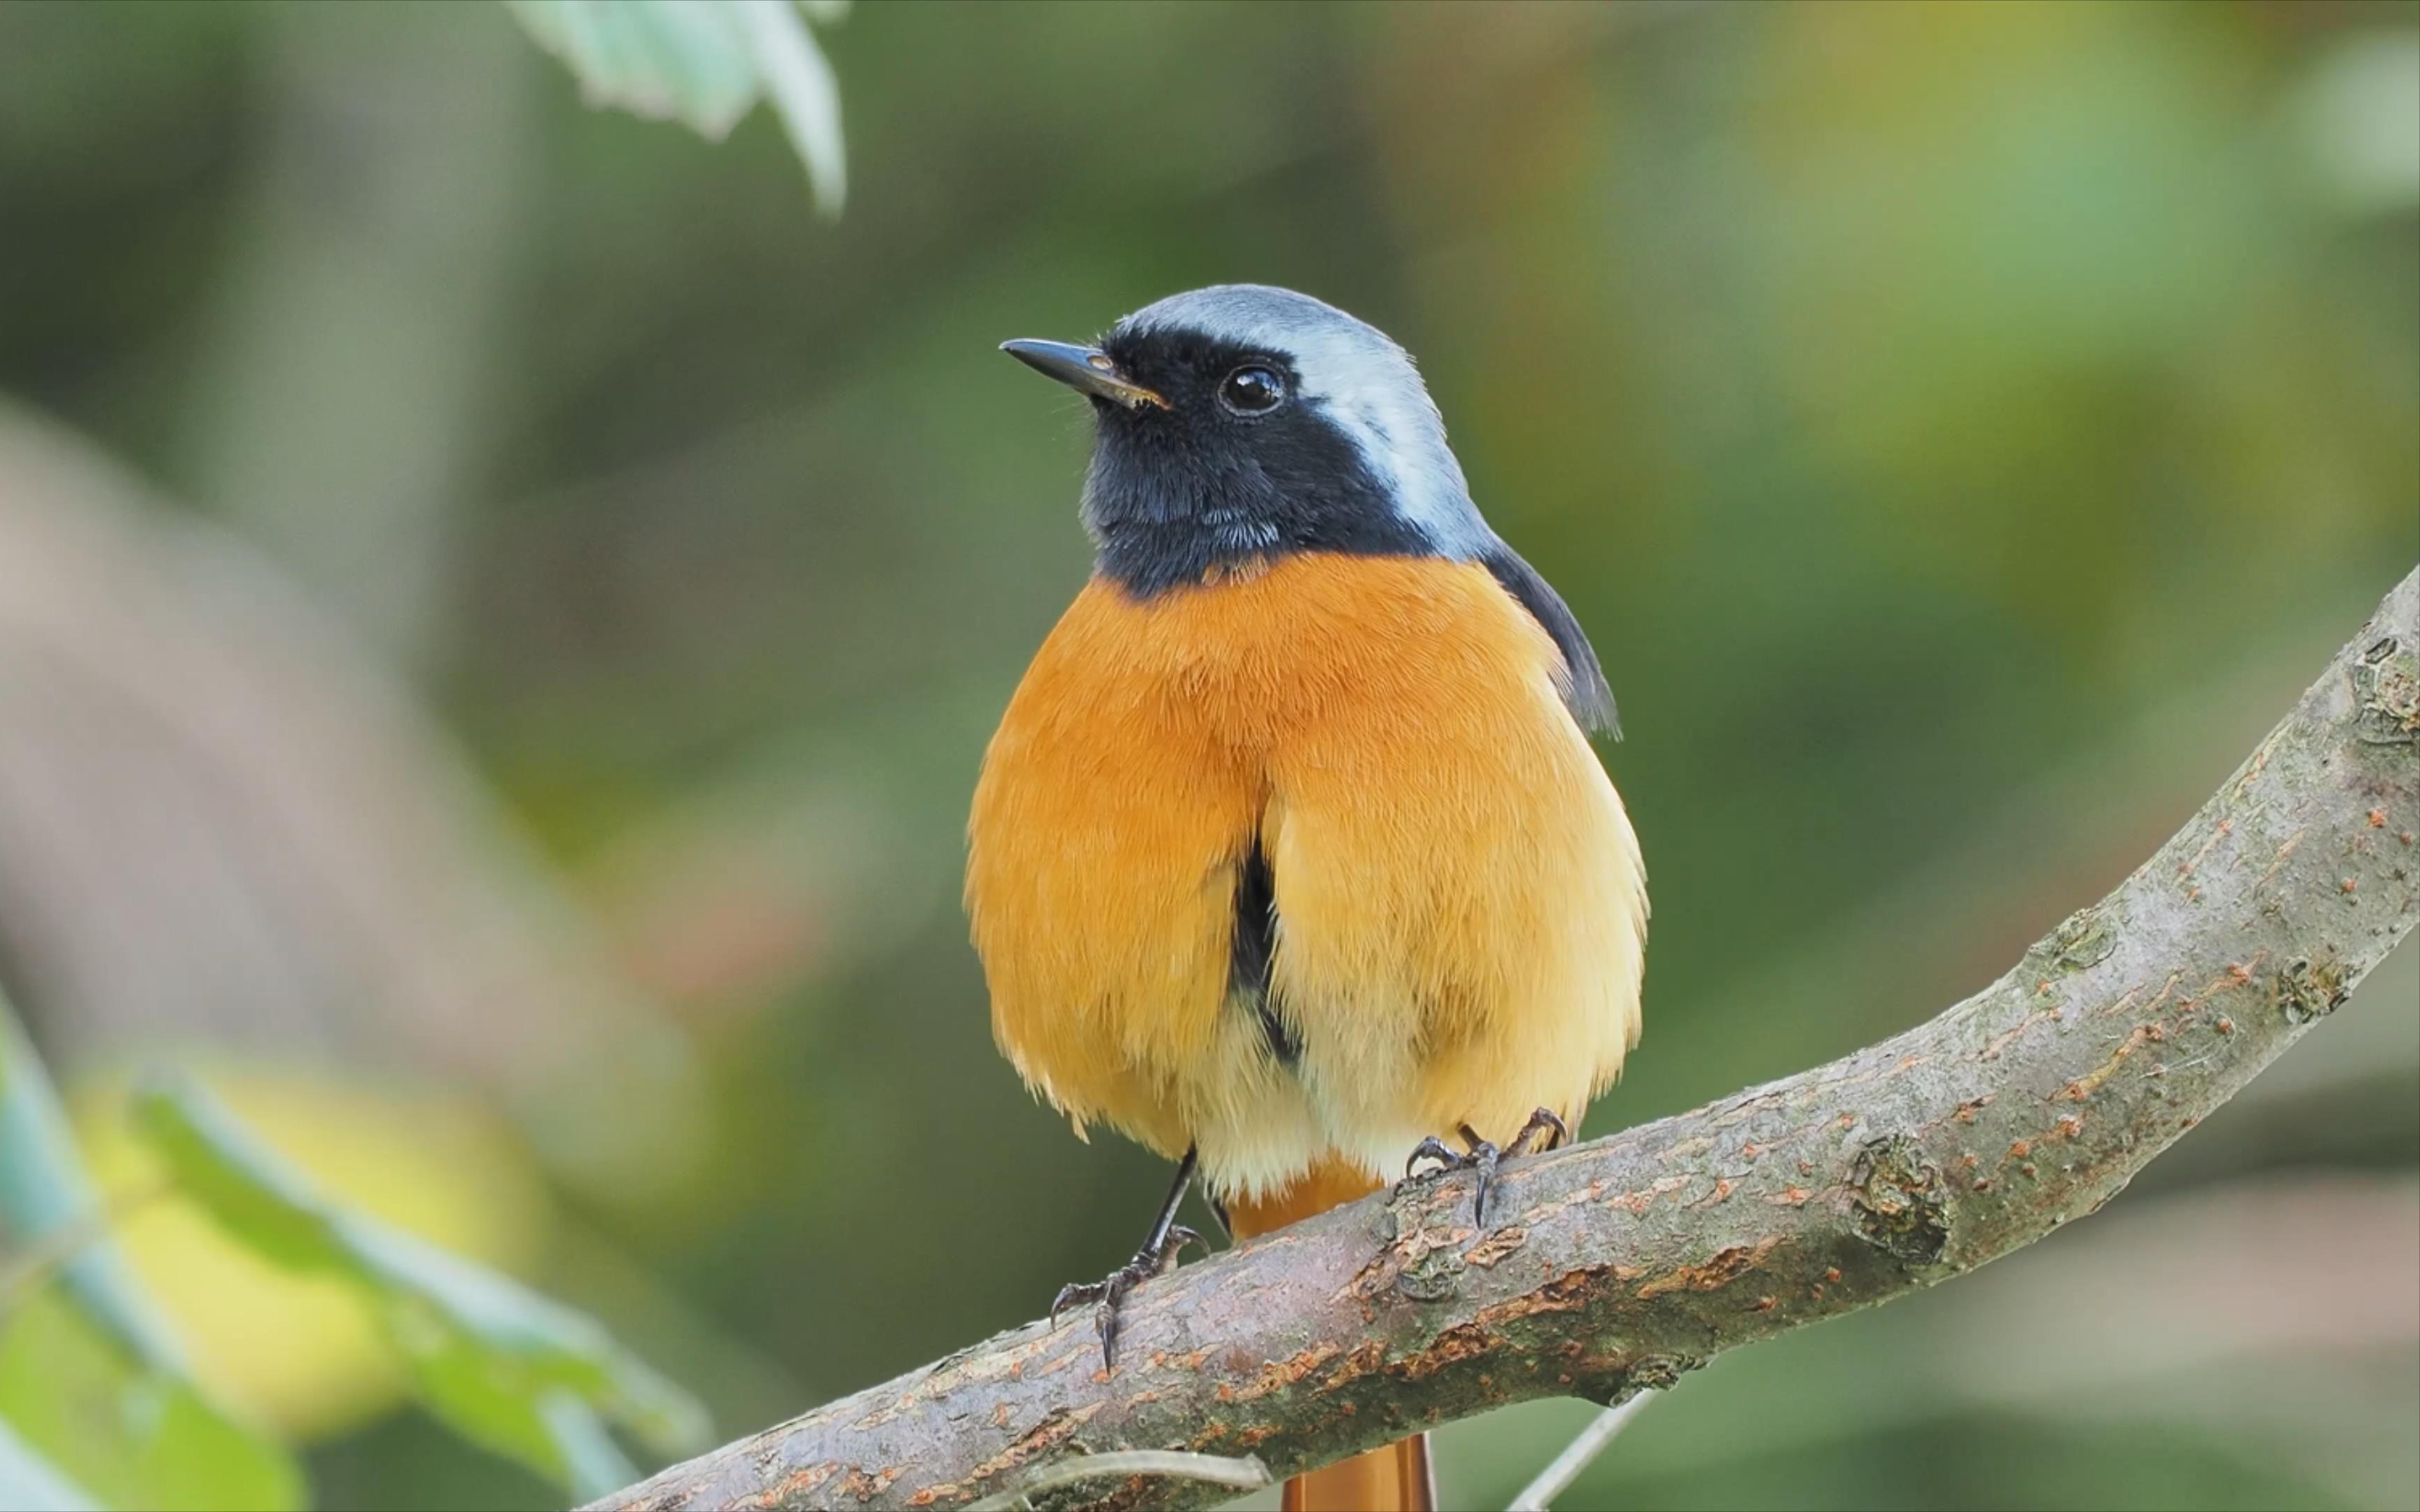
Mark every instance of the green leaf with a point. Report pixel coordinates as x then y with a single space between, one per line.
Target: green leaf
29 1483
507 1368
92 1377
43 1188
132 1437
706 63
798 78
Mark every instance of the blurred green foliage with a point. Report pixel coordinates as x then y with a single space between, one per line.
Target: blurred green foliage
95 1390
129 1434
27 1479
703 63
499 1365
98 1406
1960 428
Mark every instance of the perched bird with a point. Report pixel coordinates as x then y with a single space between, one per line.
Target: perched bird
1291 858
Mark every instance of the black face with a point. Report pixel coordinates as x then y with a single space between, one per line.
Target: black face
1240 467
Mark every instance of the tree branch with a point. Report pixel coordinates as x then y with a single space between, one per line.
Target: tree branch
1622 1262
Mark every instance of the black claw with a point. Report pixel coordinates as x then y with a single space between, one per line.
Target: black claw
1481 1158
1543 1122
1485 1158
1434 1148
1158 1257
1105 1323
1178 1237
1073 1294
1104 1317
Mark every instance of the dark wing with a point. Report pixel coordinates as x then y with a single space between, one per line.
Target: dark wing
1254 942
1583 681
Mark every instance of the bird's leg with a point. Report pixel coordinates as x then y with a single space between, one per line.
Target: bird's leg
1485 1158
1158 1255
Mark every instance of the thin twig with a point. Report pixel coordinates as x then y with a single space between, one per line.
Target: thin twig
1579 1455
1244 1474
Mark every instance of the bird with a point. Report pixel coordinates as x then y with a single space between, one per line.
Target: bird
1292 857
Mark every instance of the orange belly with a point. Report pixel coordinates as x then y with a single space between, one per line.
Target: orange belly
1459 892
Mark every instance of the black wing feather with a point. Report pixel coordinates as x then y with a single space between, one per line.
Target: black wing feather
1254 944
1583 681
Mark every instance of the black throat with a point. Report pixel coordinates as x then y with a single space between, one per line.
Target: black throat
1181 495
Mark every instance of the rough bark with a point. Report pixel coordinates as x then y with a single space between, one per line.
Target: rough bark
1622 1263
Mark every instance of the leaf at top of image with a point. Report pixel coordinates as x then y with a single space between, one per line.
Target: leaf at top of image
705 63
503 1367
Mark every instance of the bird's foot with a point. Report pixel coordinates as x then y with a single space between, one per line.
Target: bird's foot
1151 1261
1481 1157
1485 1158
1542 1122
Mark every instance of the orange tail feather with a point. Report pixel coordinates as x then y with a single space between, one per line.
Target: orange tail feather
1393 1479
1396 1478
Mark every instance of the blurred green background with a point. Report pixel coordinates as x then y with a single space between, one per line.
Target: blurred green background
500 605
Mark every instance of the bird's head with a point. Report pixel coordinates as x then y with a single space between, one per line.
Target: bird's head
1239 423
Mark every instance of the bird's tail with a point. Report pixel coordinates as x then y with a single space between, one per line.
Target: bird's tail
1396 1478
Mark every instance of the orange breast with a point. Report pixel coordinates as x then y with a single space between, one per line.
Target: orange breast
1458 888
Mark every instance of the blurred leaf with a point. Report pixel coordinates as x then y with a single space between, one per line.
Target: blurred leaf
306 1356
43 1188
91 1374
703 63
798 78
134 1437
2356 111
29 1482
503 1367
683 62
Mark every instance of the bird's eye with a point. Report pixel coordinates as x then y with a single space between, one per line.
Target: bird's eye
1252 390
